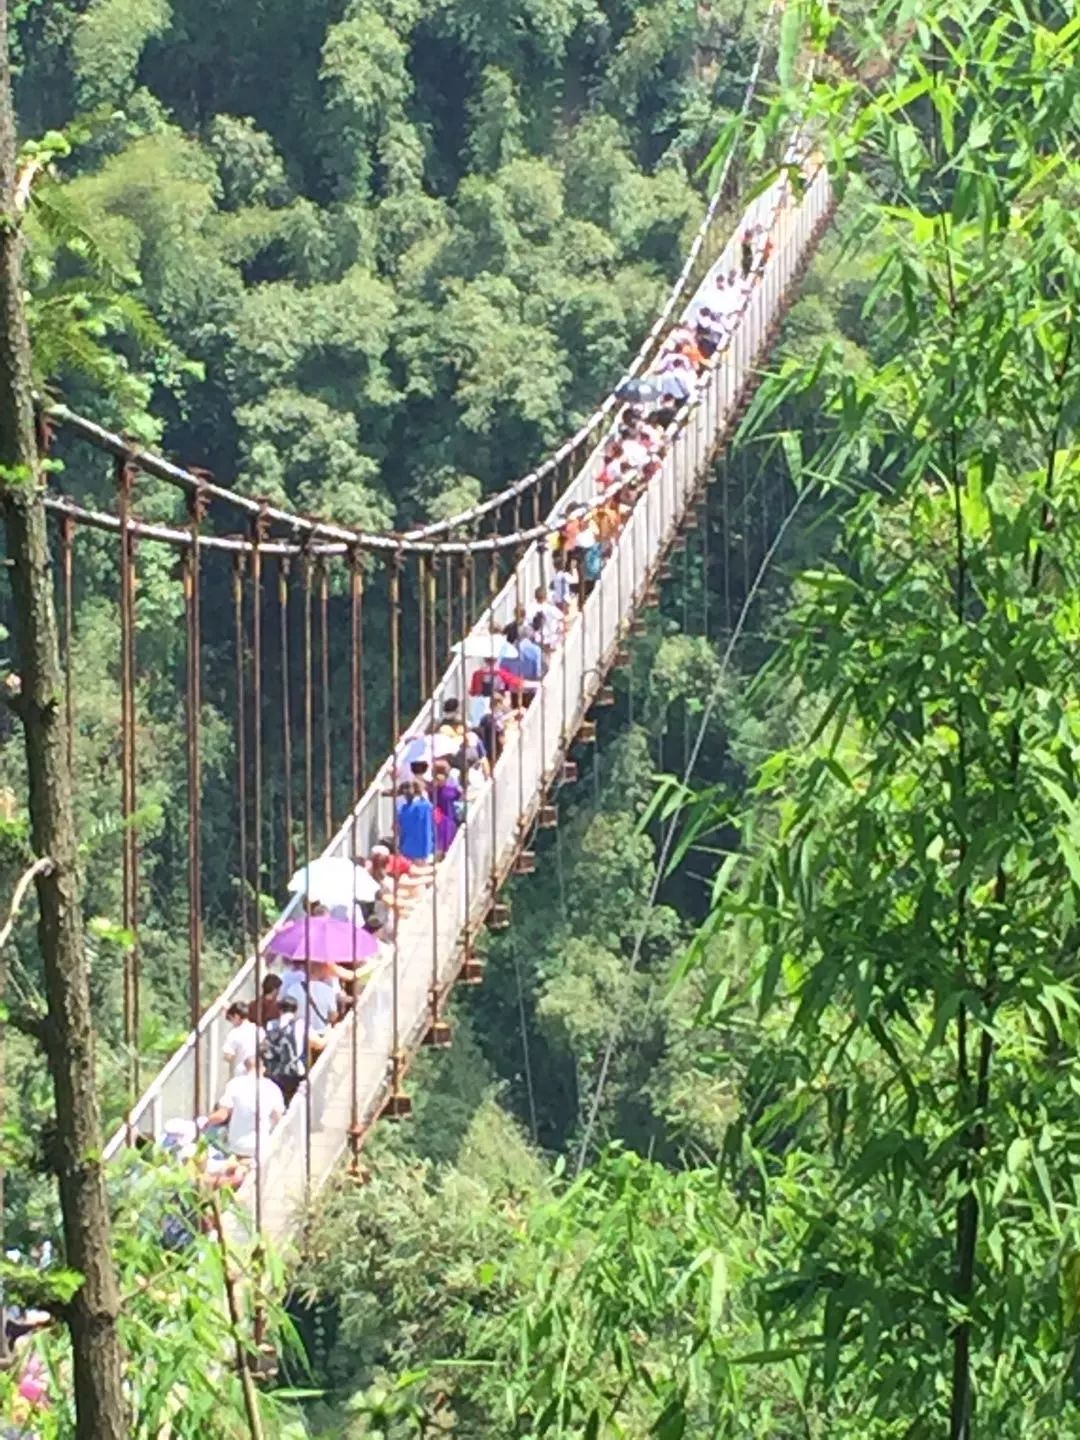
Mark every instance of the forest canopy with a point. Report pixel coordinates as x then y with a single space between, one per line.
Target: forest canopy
383 261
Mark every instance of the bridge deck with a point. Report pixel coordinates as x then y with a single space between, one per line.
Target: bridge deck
349 1084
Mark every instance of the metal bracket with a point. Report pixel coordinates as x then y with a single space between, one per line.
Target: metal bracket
439 1035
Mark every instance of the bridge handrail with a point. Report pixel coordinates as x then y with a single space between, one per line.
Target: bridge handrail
350 1081
195 1069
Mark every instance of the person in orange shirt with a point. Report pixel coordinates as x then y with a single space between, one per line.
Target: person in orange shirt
690 349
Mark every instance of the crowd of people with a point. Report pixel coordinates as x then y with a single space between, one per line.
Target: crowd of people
632 455
275 1039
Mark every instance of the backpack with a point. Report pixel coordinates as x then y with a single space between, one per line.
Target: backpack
280 1055
179 1227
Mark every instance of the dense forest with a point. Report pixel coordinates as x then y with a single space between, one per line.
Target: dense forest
763 1120
382 261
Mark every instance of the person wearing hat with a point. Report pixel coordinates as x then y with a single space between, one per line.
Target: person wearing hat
180 1138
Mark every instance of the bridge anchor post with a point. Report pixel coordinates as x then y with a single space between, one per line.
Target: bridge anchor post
357 1171
398 1105
440 1035
472 969
499 918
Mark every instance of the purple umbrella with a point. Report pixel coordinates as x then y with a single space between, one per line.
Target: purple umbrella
323 940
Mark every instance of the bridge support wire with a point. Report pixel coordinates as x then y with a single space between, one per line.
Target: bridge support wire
125 480
470 969
448 590
520 619
240 701
307 565
257 535
397 1103
192 582
289 849
358 764
498 916
324 657
358 707
438 1031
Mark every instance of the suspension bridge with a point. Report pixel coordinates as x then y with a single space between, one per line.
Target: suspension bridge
302 593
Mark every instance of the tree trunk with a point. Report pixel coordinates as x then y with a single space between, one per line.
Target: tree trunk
67 1031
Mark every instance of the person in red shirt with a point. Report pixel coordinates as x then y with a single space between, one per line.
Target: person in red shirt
384 864
612 467
490 676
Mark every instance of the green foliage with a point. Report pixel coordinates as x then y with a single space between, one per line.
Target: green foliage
464 1219
108 42
174 1320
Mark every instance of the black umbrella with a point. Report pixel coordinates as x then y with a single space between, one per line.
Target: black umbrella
638 392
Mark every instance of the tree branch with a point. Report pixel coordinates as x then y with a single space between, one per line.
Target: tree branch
33 1026
24 181
41 866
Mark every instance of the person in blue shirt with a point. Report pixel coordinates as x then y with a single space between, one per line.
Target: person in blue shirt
529 662
416 824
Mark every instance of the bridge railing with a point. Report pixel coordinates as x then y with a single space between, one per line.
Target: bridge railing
348 1084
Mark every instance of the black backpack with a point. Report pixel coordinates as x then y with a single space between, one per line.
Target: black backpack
179 1227
280 1055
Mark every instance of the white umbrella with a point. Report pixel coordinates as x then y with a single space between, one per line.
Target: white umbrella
333 881
427 748
485 646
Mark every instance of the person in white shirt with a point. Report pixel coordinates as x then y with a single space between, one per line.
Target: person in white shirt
244 1098
242 1041
562 588
729 302
551 629
634 451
